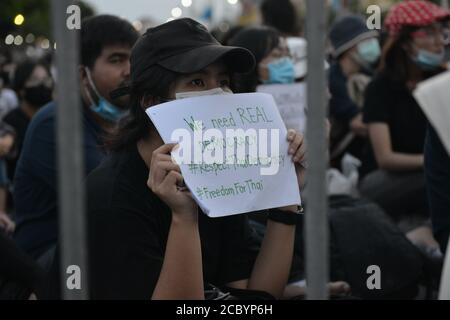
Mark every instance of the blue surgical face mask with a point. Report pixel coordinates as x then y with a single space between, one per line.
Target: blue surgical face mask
103 107
429 61
369 50
281 71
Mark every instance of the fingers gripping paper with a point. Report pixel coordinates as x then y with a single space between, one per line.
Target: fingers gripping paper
233 151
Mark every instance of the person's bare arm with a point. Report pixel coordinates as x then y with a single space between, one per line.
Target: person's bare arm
6 223
357 126
181 276
271 270
6 143
386 158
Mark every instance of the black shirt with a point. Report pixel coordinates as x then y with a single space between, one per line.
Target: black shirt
19 121
128 230
392 103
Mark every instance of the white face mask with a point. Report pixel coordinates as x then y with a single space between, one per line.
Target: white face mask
212 92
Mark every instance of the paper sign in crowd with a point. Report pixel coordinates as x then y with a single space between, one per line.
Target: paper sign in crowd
233 151
290 99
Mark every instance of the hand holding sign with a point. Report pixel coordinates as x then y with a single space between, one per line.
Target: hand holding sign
234 153
164 177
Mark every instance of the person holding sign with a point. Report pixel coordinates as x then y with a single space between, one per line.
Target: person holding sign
147 236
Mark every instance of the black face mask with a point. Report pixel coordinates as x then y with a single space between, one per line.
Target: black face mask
39 95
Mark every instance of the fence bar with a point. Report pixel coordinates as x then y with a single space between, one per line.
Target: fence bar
444 289
316 228
72 231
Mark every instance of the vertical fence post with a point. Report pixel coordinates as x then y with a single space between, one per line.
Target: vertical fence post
316 228
72 230
444 288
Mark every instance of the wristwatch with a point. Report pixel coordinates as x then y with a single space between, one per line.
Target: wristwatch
285 217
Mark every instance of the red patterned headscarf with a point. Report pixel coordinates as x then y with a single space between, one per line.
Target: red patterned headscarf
414 13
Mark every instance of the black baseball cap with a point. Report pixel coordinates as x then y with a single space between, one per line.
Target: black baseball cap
183 46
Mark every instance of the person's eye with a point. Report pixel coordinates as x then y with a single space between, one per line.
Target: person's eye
115 60
197 82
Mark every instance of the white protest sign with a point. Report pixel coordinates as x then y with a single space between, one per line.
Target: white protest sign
233 151
433 96
290 99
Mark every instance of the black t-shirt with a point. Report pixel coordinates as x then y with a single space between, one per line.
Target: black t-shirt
392 103
128 230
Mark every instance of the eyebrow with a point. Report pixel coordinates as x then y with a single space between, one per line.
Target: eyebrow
118 55
222 72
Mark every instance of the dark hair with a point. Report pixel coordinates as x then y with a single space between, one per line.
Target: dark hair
395 61
281 15
24 71
226 38
104 30
260 41
156 82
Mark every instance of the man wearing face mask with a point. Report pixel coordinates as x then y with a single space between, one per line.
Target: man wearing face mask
105 48
34 87
356 49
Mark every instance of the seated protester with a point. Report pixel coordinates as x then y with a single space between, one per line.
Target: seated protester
397 125
106 43
33 84
148 238
355 49
437 178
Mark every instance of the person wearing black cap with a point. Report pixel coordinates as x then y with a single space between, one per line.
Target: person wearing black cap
355 49
147 239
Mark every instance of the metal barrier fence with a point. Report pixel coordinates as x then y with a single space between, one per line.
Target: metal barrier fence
72 227
316 227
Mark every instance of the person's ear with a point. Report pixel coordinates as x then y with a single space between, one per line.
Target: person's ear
148 101
83 75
